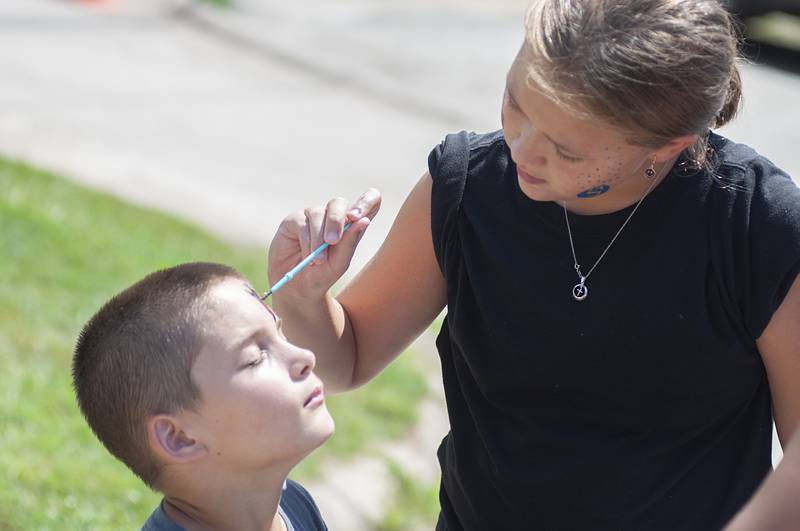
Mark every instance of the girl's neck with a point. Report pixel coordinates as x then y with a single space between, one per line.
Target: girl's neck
624 196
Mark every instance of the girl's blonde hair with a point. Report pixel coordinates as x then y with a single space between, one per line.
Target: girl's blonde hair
654 69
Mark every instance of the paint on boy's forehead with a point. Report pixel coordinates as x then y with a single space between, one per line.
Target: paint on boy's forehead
252 292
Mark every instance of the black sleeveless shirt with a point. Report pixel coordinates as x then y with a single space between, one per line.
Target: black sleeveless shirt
645 406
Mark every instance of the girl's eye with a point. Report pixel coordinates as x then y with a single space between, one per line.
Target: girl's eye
566 157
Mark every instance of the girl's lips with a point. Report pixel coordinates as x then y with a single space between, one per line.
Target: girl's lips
315 399
528 178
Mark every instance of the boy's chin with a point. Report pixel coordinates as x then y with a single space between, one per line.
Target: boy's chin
327 429
321 430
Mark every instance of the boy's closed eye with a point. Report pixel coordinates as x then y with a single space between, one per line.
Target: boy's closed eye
256 358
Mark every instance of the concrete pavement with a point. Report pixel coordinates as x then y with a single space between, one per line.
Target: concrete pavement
232 118
164 113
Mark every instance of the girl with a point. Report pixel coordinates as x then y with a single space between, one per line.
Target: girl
620 282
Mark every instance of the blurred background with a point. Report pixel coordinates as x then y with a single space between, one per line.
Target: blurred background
136 134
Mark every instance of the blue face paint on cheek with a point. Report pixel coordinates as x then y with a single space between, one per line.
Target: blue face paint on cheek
594 192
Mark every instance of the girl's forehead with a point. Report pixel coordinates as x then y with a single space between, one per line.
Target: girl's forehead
580 135
593 134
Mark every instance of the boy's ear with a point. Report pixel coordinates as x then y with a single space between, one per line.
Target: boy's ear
171 442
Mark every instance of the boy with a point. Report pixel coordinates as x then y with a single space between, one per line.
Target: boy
187 378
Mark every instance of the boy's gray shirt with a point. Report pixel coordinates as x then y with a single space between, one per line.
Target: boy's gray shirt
159 521
296 507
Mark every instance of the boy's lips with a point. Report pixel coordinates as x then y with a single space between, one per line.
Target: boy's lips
315 399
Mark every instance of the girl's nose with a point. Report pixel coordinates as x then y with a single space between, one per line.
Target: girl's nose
528 147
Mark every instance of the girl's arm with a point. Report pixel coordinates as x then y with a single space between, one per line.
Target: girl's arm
779 346
775 506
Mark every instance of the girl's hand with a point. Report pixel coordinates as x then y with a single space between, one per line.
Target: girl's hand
300 233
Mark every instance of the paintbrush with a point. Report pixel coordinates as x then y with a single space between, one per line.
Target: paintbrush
299 267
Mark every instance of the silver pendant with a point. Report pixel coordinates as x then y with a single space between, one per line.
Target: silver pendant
580 291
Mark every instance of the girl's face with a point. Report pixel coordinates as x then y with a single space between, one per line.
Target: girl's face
563 158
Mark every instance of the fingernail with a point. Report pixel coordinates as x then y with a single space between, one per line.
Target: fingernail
332 237
354 212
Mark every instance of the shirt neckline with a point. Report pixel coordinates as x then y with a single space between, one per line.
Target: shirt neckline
599 226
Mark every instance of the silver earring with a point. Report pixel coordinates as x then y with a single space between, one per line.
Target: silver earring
651 171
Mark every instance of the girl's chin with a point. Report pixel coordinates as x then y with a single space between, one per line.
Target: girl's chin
538 192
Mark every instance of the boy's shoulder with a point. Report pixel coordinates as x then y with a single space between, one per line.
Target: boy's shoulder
159 521
298 507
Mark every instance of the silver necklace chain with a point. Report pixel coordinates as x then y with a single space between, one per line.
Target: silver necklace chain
580 290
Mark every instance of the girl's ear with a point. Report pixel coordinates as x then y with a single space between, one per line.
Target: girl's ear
674 147
171 442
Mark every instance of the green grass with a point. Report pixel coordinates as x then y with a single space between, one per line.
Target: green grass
415 506
63 252
223 3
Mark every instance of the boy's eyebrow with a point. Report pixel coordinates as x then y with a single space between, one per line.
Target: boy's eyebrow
249 289
248 339
510 93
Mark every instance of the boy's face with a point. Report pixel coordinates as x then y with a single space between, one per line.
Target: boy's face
260 402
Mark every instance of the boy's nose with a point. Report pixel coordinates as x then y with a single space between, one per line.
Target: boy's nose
302 363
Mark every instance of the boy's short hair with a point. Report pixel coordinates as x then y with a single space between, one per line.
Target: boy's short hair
133 359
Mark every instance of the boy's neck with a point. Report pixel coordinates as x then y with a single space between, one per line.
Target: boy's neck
227 503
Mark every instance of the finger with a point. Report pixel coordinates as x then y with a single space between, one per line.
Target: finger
315 218
341 254
287 245
365 206
303 236
287 238
335 219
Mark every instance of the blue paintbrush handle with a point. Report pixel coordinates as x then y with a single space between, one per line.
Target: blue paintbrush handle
299 267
